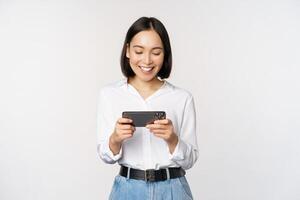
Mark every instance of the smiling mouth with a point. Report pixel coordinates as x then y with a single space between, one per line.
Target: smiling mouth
146 69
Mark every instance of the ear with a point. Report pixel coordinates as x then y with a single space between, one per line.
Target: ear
127 50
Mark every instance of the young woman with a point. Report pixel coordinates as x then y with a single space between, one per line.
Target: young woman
152 159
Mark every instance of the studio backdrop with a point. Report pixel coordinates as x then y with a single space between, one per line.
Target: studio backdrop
240 60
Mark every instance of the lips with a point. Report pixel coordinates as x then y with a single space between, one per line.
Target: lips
146 69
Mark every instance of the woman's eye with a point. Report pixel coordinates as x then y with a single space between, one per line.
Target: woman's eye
157 54
139 52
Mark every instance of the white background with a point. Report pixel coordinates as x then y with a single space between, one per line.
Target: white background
240 59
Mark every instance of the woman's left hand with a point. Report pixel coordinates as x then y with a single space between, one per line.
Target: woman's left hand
165 130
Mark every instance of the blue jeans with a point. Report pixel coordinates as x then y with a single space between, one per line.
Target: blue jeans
131 189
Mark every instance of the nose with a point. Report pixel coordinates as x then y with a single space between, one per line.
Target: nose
147 59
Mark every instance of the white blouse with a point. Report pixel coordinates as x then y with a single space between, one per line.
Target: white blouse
144 150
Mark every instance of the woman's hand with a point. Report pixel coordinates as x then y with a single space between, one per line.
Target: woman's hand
165 130
123 130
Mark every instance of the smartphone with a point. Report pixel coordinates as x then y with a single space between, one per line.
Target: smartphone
142 118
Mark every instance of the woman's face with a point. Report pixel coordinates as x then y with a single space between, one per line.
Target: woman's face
146 54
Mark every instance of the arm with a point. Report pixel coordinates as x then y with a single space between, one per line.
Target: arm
111 134
186 152
105 128
182 146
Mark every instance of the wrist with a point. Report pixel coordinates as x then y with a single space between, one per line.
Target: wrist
112 139
173 139
172 142
114 145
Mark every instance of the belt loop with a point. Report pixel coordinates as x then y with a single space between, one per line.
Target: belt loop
128 173
168 173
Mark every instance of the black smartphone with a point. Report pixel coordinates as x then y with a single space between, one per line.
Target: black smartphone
142 118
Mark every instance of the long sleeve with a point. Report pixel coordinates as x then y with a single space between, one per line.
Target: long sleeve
186 152
105 127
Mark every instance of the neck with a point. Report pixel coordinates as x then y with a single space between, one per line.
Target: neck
140 85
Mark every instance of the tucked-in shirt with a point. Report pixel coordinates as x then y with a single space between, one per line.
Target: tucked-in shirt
144 150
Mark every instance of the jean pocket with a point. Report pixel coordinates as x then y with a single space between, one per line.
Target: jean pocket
115 188
185 188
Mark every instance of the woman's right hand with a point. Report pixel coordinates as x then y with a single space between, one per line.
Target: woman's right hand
123 130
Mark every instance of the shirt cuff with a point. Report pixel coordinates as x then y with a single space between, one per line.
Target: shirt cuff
107 154
179 151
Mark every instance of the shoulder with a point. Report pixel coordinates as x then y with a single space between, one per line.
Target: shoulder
180 92
111 88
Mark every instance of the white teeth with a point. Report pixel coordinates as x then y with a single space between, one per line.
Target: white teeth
147 69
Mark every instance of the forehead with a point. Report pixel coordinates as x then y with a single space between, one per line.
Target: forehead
147 39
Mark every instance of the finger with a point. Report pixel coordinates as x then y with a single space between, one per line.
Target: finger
125 132
156 126
162 121
124 121
126 127
123 137
159 131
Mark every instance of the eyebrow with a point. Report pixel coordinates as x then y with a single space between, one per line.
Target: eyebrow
143 47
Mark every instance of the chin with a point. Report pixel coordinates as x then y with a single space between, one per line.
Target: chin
147 79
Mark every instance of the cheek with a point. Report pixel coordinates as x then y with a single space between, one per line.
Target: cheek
158 60
134 58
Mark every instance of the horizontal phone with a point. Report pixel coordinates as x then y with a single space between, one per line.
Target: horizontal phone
142 118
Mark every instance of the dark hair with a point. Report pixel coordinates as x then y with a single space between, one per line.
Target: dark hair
142 24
